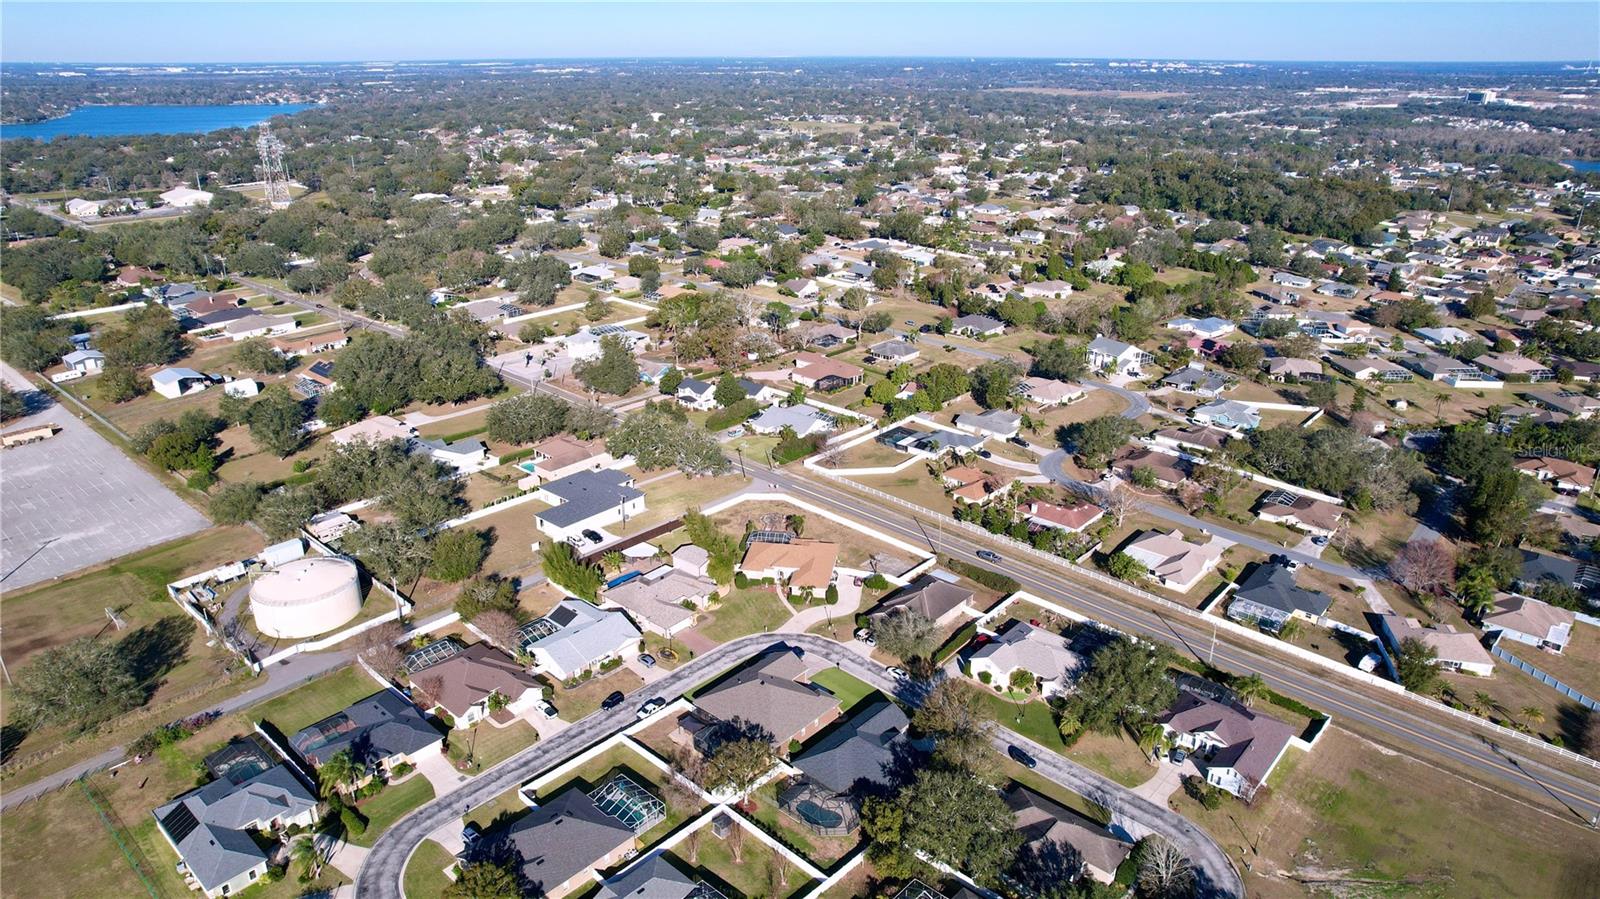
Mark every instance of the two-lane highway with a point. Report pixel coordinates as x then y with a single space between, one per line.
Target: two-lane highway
1393 717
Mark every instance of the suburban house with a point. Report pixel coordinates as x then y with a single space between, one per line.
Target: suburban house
1456 650
1047 290
587 500
561 843
1530 621
1168 470
380 732
994 423
1282 368
1513 367
656 877
557 457
1174 562
259 326
895 351
1210 327
1369 368
1314 516
821 373
1050 392
1046 826
1106 354
663 600
1229 414
798 566
1236 748
465 456
311 343
771 696
1268 597
175 382
1289 279
1537 567
864 755
376 429
935 599
210 826
977 326
577 636
462 684
1023 647
1193 378
1204 439
1072 518
974 485
1564 476
1577 405
803 419
697 394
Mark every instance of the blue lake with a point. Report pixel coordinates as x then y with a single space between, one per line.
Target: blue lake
105 121
1583 165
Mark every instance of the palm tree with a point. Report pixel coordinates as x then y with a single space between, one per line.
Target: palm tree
304 852
612 560
1249 688
1484 701
1533 713
338 771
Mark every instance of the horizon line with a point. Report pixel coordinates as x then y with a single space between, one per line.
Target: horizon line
964 57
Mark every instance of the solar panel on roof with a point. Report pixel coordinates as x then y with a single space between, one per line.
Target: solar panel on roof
179 823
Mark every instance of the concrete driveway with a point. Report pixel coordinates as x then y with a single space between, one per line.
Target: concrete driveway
1166 781
436 767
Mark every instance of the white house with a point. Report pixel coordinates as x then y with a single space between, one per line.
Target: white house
1210 328
1034 650
1174 562
1106 354
259 326
697 394
587 500
577 636
805 420
1454 650
1530 621
85 361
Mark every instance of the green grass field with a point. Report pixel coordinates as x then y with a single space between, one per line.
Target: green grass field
316 700
425 871
390 806
850 690
743 612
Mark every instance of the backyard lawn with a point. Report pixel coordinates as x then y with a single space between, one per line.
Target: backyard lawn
824 852
316 700
848 689
1114 756
754 610
390 806
753 874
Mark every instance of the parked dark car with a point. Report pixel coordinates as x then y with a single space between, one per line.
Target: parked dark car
593 536
1021 758
612 701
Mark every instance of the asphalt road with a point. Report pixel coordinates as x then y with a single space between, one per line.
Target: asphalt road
346 316
381 875
1513 763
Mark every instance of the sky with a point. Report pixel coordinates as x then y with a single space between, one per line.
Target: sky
61 31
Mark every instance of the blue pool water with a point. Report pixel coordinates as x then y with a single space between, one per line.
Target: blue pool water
1583 165
106 121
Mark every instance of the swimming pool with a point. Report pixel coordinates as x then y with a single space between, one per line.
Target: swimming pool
816 815
527 466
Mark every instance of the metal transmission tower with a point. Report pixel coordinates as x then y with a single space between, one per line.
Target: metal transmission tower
274 178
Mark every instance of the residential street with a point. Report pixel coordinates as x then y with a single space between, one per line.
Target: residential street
385 865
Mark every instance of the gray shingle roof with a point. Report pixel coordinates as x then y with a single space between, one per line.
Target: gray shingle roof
587 494
1273 586
210 825
861 750
563 838
381 726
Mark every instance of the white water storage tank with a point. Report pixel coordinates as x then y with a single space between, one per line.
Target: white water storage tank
306 597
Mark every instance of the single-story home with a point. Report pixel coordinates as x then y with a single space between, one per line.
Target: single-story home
798 566
557 457
861 756
462 684
935 599
1314 516
1193 378
1169 470
311 343
995 423
1282 368
587 500
1211 326
1269 597
1106 354
561 843
380 732
1230 414
1530 621
663 600
805 420
1021 646
1050 392
895 351
977 326
771 696
376 429
1174 562
466 455
1047 826
1072 518
584 637
1456 650
1564 476
210 826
